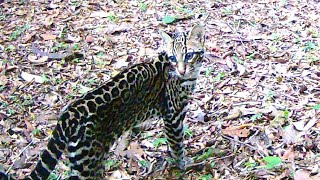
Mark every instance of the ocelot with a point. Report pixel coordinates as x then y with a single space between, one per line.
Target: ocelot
89 126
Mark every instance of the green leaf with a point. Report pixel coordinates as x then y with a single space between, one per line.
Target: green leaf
208 72
44 78
250 164
286 114
53 176
143 6
208 153
83 89
187 131
316 107
219 77
212 164
256 116
36 131
206 177
110 163
144 163
159 142
309 46
168 19
76 46
272 161
100 54
112 18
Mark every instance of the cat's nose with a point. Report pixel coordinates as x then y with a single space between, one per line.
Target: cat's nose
182 71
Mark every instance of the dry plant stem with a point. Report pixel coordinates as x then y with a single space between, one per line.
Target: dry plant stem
25 148
90 27
243 143
23 86
37 51
236 29
243 39
194 165
164 166
309 159
150 171
224 157
227 54
257 132
281 54
251 103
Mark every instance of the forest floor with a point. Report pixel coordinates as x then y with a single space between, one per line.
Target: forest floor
254 115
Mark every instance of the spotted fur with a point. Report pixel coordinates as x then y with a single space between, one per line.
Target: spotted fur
90 125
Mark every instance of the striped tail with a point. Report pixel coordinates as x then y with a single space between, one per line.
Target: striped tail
3 176
50 156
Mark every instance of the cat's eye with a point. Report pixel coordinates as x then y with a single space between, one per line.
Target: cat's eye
172 58
189 56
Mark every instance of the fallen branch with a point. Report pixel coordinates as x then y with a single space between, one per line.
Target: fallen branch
37 51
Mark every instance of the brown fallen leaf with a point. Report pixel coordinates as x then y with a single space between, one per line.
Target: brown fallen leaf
291 135
135 150
302 175
289 154
236 131
318 125
7 67
48 36
3 80
34 59
89 39
50 99
119 174
122 144
28 36
113 28
20 162
234 114
122 62
100 14
305 125
279 119
29 125
29 77
27 134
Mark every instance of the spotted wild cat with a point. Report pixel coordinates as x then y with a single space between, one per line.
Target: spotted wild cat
89 126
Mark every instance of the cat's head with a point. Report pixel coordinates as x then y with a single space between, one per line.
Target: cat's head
185 51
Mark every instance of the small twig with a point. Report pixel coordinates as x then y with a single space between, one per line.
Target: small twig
195 165
90 27
257 132
25 148
281 54
37 51
242 143
150 171
224 157
59 177
230 53
251 103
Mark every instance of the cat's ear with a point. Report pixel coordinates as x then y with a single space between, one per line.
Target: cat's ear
167 40
196 34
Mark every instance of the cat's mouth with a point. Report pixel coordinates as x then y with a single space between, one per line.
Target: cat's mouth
187 72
